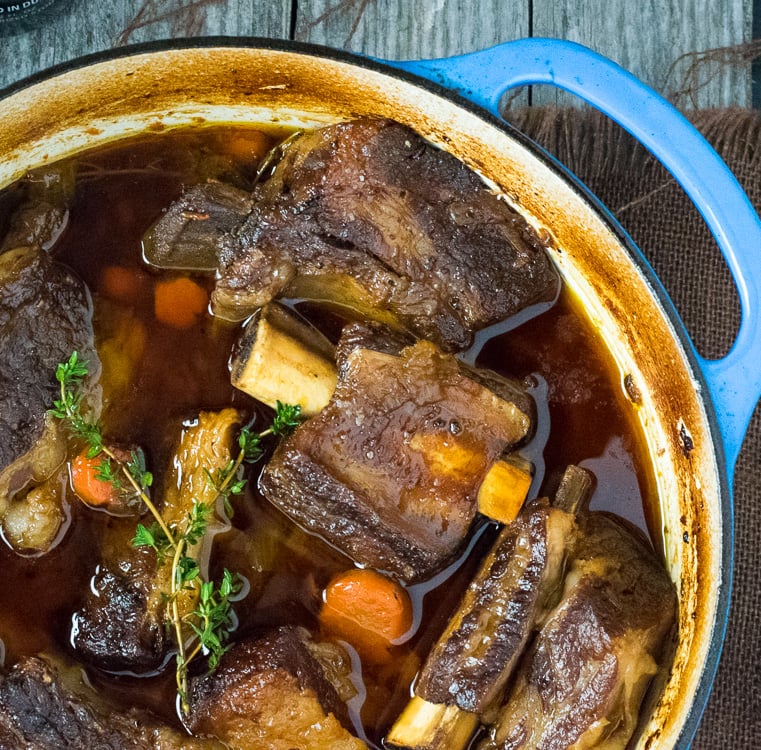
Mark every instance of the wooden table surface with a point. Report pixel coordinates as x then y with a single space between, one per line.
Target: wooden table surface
654 39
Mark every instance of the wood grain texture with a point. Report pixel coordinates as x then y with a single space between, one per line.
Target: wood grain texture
413 29
86 26
406 29
651 37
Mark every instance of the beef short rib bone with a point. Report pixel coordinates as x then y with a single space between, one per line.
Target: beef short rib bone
582 682
45 315
281 357
369 214
389 470
465 674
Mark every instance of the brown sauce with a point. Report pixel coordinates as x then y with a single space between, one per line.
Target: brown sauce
122 190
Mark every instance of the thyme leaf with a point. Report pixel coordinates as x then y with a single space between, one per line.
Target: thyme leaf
154 537
287 419
250 443
109 472
136 467
215 615
226 481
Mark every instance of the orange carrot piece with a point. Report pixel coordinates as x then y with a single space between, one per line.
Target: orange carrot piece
120 283
179 302
248 146
85 482
367 609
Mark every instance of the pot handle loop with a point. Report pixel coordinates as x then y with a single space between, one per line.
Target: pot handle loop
483 77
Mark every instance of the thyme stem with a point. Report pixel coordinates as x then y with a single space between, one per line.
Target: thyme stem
181 671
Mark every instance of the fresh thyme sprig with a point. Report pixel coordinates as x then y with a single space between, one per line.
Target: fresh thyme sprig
214 617
212 620
70 375
154 537
287 419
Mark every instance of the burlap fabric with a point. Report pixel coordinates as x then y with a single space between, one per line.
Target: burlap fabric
670 232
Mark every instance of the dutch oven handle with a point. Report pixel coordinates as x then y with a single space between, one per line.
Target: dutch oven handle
483 77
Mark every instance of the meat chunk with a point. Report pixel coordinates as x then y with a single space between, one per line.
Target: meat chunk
188 234
370 335
369 214
518 583
270 693
37 208
389 470
45 315
118 628
45 706
381 338
582 682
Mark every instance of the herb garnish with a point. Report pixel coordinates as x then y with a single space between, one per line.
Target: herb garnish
287 418
206 629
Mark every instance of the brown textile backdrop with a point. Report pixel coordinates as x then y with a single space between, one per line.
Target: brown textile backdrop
663 223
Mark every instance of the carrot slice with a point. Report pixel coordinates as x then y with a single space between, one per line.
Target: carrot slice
120 283
367 609
85 482
179 302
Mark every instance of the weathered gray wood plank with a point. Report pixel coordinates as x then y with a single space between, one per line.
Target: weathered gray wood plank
406 29
94 25
647 37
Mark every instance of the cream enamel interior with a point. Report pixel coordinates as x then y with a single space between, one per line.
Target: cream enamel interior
113 99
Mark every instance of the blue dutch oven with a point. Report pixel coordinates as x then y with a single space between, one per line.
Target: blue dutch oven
455 103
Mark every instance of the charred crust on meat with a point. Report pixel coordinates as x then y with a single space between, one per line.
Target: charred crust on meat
411 225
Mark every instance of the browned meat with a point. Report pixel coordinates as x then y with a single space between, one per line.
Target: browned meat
37 208
45 314
271 693
463 680
370 335
188 234
583 680
382 338
44 707
389 470
370 214
519 582
116 628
